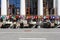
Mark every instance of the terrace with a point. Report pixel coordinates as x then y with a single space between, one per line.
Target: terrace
33 17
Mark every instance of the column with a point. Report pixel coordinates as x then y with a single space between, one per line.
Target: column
22 7
58 10
58 7
8 3
54 6
40 7
54 3
3 7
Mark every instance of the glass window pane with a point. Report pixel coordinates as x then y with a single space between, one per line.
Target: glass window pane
14 7
48 7
31 7
0 7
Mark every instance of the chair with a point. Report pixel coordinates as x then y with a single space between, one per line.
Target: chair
25 24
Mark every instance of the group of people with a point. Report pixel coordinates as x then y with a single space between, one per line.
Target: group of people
22 22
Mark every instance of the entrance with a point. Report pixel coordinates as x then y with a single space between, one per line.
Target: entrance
13 7
31 7
48 7
0 7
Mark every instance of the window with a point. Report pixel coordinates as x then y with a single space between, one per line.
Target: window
0 7
13 7
48 4
31 7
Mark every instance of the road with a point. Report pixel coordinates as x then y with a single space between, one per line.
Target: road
16 34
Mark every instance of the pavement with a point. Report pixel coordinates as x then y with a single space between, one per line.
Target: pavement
30 34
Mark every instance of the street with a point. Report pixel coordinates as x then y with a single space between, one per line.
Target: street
16 34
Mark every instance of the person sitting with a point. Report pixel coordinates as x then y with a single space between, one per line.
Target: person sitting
21 23
52 24
14 24
18 25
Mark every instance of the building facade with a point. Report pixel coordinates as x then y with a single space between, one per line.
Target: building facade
30 7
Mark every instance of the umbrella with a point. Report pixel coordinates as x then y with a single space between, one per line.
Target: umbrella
35 17
44 17
21 17
3 17
13 17
57 17
52 17
47 17
17 16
